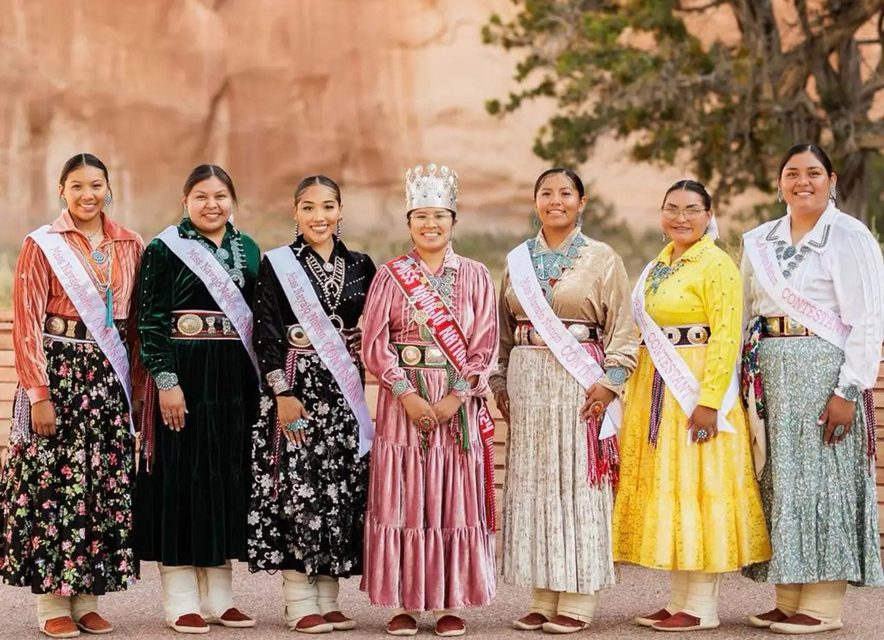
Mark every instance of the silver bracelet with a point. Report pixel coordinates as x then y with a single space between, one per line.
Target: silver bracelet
277 381
166 380
400 387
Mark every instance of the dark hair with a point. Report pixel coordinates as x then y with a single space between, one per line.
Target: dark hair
206 171
573 177
806 147
310 181
82 160
693 186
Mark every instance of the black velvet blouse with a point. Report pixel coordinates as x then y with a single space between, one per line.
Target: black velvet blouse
273 312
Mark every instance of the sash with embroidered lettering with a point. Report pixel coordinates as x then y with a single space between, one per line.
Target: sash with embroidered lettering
449 337
822 321
221 287
89 304
559 340
326 340
679 379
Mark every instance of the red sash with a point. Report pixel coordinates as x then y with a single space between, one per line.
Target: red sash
449 337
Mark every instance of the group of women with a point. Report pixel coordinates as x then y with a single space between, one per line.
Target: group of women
743 405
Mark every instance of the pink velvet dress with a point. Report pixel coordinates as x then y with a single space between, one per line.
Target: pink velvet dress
427 544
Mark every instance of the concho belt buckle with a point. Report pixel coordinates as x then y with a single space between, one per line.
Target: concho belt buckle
55 325
673 334
535 338
698 335
792 328
297 337
189 324
579 331
411 355
433 357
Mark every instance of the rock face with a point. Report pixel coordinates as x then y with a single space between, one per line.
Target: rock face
274 90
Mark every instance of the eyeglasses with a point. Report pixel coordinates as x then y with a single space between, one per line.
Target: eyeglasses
691 213
438 218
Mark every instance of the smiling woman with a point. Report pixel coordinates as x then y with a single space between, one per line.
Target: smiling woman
688 501
561 469
310 441
811 378
430 339
67 482
197 280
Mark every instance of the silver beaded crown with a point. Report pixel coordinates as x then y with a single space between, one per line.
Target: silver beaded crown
433 189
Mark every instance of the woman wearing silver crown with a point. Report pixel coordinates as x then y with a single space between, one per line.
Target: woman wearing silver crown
308 448
566 327
814 287
430 338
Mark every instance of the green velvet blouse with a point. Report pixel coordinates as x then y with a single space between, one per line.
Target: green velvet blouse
167 285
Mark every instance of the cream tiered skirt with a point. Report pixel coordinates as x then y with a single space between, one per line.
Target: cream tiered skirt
556 527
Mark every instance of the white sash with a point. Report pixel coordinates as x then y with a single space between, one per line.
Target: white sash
822 321
561 343
82 292
324 337
221 287
679 379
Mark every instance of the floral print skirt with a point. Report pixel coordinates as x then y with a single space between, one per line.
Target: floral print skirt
65 500
308 503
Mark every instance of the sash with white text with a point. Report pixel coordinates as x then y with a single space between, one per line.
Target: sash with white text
89 304
559 340
449 337
219 283
326 340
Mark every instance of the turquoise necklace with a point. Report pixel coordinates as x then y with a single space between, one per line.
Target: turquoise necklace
550 265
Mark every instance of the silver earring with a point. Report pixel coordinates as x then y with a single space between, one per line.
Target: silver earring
338 230
63 202
108 199
579 222
297 228
779 194
833 194
185 212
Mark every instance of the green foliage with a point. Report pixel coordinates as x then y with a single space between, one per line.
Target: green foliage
632 69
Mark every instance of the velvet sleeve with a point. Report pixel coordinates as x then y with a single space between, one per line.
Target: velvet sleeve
156 300
483 341
269 338
378 352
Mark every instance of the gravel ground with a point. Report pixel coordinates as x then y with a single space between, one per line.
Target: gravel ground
137 613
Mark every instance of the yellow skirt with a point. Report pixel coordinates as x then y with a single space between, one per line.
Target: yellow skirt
681 506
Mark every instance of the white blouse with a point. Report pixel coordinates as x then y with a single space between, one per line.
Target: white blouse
842 269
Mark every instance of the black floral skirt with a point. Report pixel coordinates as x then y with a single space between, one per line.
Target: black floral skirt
66 500
308 504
